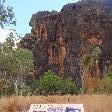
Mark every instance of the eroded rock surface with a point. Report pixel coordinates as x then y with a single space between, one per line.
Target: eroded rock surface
58 40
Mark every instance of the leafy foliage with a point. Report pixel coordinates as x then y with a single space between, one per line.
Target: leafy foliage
68 87
6 14
50 83
89 58
15 62
103 85
24 90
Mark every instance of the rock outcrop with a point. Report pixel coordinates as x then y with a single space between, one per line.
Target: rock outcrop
59 40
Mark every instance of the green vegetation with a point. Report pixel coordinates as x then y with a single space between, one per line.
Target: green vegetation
69 87
89 58
50 84
15 64
6 14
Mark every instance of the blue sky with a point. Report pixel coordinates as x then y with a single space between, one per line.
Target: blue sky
24 9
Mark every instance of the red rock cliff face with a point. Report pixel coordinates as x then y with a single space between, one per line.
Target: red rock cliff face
59 40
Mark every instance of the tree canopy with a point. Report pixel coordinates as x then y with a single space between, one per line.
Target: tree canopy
7 15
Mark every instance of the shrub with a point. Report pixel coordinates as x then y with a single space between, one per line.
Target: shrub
103 85
26 90
6 89
108 83
49 83
69 87
10 90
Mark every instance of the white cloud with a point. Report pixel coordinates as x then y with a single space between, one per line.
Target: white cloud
3 34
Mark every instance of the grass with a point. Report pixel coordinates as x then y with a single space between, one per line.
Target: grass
93 103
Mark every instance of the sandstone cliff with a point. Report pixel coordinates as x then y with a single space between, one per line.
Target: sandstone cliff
59 40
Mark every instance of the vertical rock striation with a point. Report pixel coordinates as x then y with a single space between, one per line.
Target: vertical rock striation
59 40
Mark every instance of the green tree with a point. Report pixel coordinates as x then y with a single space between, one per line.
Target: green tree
7 17
15 63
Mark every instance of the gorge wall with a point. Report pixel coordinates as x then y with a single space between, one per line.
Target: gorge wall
59 40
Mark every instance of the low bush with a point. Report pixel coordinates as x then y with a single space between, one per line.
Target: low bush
69 87
49 83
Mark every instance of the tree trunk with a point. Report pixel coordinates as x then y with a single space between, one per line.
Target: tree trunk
16 87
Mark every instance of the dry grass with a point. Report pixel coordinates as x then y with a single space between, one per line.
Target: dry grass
94 103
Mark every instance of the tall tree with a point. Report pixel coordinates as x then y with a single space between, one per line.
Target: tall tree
15 63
